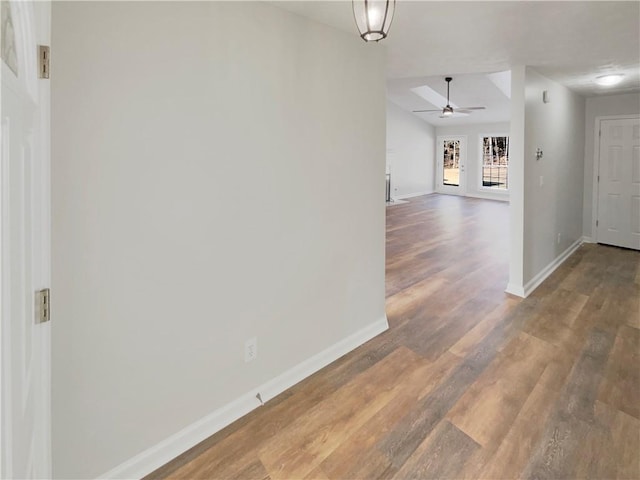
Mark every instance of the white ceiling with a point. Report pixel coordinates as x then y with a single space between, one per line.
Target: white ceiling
473 90
570 42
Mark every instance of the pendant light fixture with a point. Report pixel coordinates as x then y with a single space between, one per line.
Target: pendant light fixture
373 18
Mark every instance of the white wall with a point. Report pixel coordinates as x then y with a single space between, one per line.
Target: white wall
218 171
473 169
516 181
557 128
410 153
600 106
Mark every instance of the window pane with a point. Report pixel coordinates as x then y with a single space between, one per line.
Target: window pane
451 163
495 162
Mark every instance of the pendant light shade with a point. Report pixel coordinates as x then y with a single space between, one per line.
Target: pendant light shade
373 18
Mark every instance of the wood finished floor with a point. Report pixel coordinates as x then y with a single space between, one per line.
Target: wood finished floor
468 382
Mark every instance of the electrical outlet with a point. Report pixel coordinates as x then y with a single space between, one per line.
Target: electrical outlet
250 349
559 236
541 180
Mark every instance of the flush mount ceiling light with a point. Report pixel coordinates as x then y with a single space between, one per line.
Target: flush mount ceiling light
609 80
373 18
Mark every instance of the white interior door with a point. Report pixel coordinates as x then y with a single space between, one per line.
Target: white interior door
618 220
24 243
451 157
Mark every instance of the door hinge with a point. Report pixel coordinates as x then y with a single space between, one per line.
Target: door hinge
598 178
597 222
43 61
43 310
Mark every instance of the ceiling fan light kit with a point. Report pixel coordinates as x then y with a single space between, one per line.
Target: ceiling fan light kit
373 18
447 111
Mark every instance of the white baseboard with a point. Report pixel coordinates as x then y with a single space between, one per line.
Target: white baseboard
532 284
586 239
535 282
516 290
489 196
165 451
411 195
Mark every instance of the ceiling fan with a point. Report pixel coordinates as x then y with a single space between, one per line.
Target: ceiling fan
447 111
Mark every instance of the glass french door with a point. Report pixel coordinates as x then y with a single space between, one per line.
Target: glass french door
450 164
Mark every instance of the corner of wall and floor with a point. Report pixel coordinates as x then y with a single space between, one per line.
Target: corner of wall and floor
547 206
195 206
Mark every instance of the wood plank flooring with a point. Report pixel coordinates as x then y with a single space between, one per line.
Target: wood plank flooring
468 382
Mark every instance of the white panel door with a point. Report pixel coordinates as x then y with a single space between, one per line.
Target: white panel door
24 243
619 183
450 164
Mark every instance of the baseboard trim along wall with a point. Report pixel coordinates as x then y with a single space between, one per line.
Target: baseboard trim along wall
165 451
411 195
488 196
516 290
587 239
532 284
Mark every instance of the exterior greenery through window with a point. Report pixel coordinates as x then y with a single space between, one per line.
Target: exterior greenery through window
451 163
495 162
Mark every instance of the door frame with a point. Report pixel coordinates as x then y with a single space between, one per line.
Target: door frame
596 168
450 190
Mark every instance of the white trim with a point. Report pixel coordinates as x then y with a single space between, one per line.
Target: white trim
535 282
165 451
596 168
411 195
532 284
487 196
516 290
586 239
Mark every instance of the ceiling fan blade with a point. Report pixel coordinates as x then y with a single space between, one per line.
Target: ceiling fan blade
459 109
447 111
